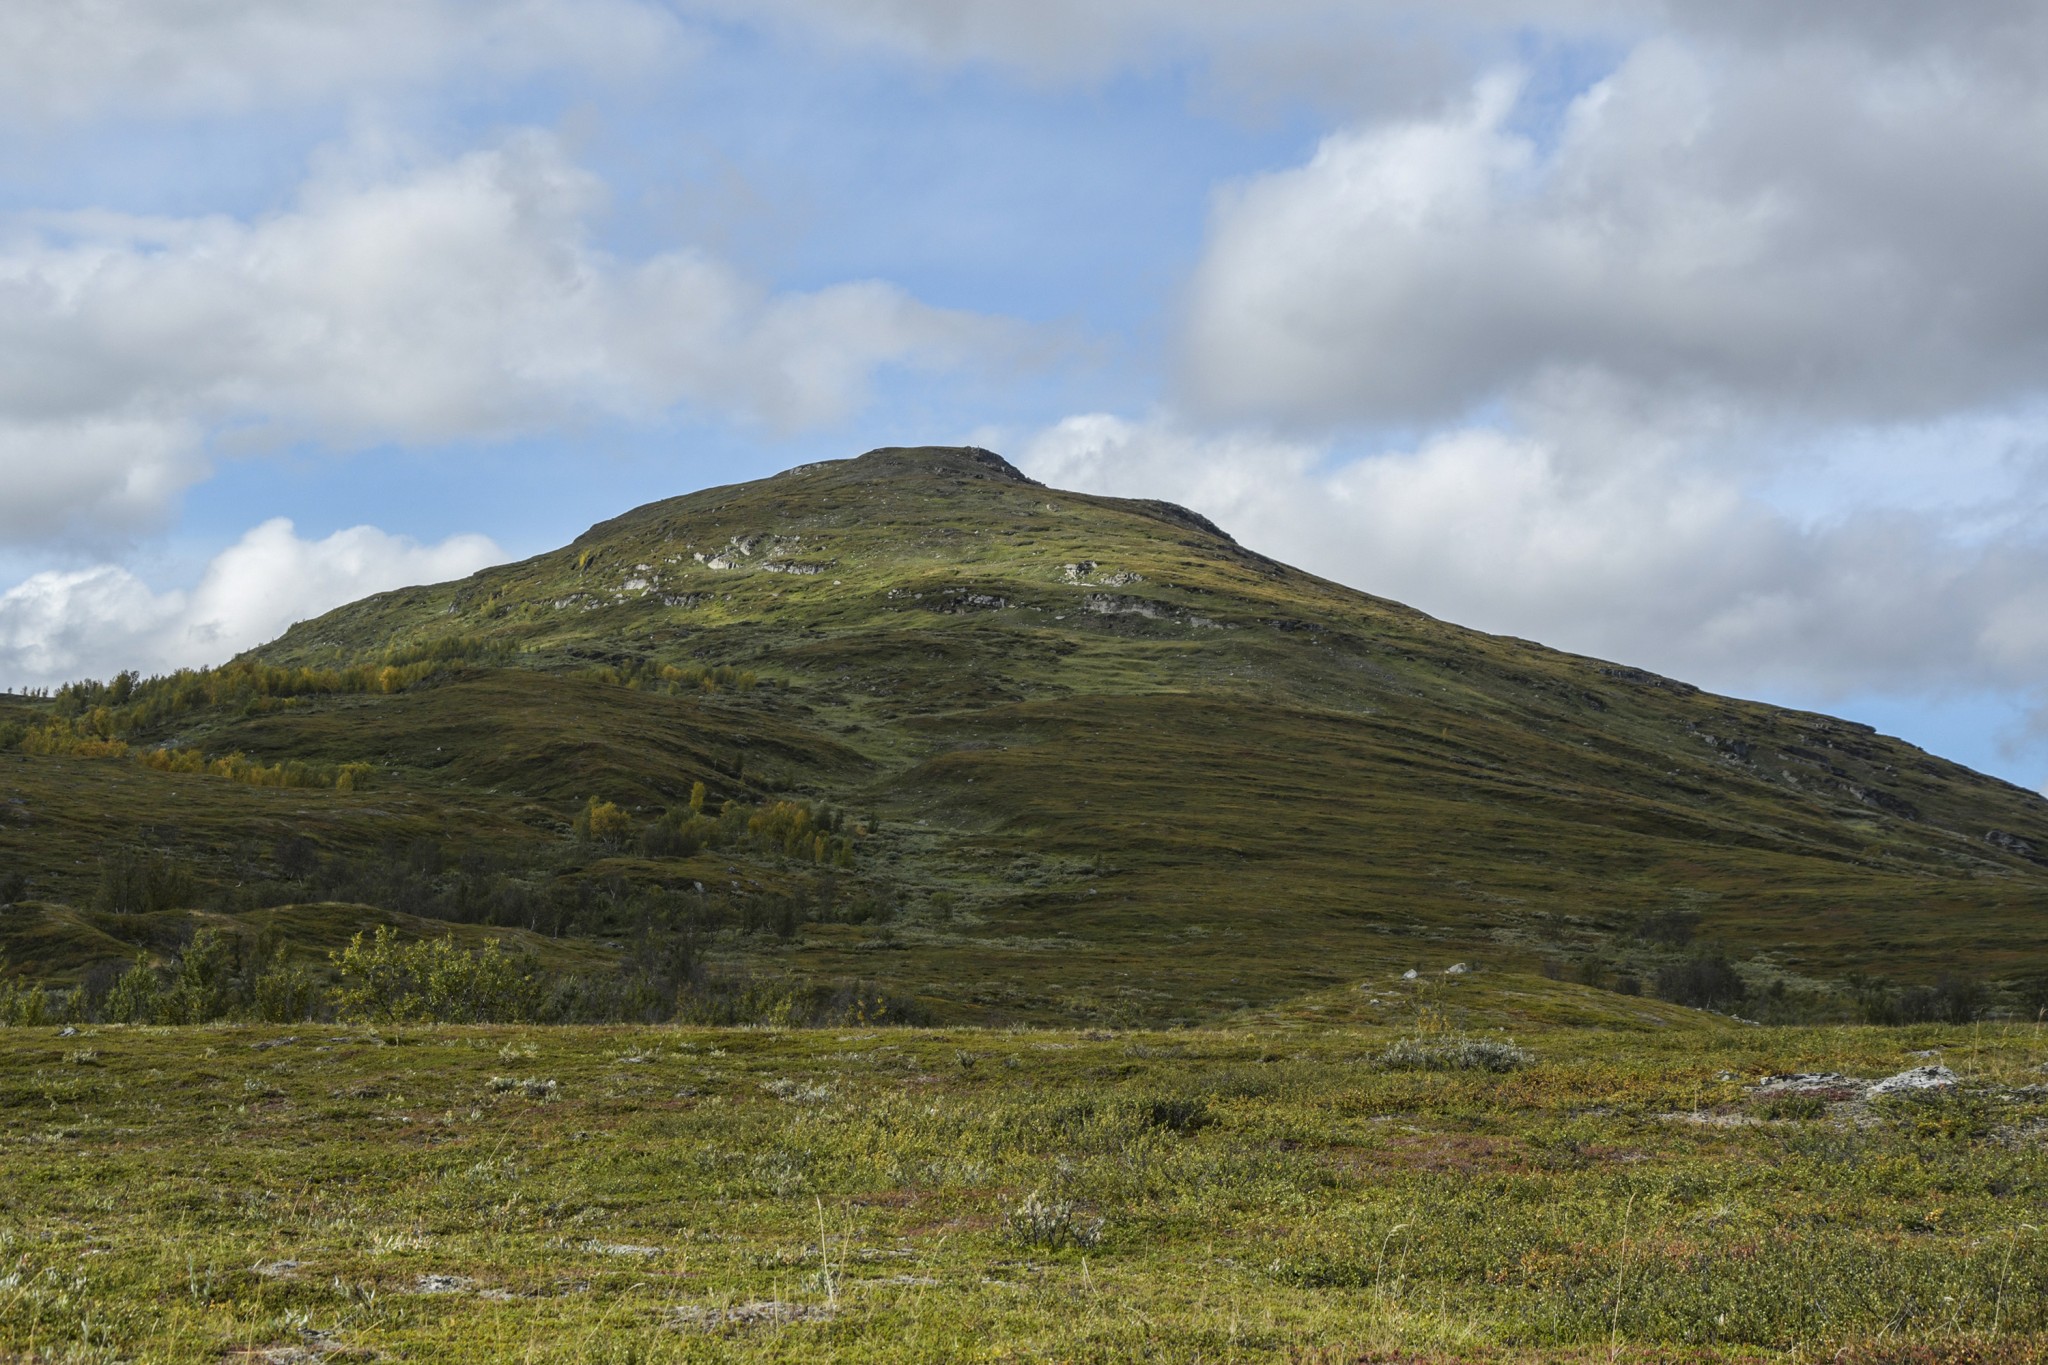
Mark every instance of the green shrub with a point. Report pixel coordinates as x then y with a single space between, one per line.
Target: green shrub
25 1004
134 997
678 836
203 985
1181 1114
1706 980
389 981
283 992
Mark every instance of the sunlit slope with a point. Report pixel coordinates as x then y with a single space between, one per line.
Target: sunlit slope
1038 674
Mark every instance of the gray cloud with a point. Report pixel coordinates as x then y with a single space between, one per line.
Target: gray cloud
80 58
93 475
1379 54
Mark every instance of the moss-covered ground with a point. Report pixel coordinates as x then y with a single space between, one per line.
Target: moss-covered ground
1269 1190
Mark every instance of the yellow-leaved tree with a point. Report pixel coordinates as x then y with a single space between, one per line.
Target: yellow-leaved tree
602 822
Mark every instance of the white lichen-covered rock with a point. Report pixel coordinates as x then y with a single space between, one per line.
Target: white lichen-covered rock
1920 1078
1823 1084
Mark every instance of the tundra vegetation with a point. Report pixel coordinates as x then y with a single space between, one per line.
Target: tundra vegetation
1056 868
1425 1188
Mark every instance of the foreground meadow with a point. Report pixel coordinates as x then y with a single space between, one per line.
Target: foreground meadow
1274 1192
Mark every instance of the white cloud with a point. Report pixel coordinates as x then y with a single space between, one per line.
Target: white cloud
1660 563
1814 235
454 300
94 622
75 58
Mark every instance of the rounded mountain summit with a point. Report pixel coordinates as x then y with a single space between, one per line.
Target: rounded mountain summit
1102 727
1086 756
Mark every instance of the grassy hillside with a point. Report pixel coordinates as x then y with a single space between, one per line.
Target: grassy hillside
1089 759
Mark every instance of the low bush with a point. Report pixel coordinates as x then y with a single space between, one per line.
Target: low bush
1050 1224
1453 1052
1182 1114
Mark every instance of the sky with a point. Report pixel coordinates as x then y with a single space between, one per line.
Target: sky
1706 335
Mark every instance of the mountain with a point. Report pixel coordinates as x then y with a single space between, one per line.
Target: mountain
1070 756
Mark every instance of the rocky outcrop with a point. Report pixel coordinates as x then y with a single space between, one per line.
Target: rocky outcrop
2011 843
1918 1080
1115 604
1642 677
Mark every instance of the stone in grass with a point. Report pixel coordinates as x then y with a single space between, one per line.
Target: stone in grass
620 1249
1919 1080
441 1284
760 1313
319 1347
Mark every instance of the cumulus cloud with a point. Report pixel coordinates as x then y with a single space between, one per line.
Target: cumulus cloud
94 622
1809 236
1658 562
74 58
454 300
